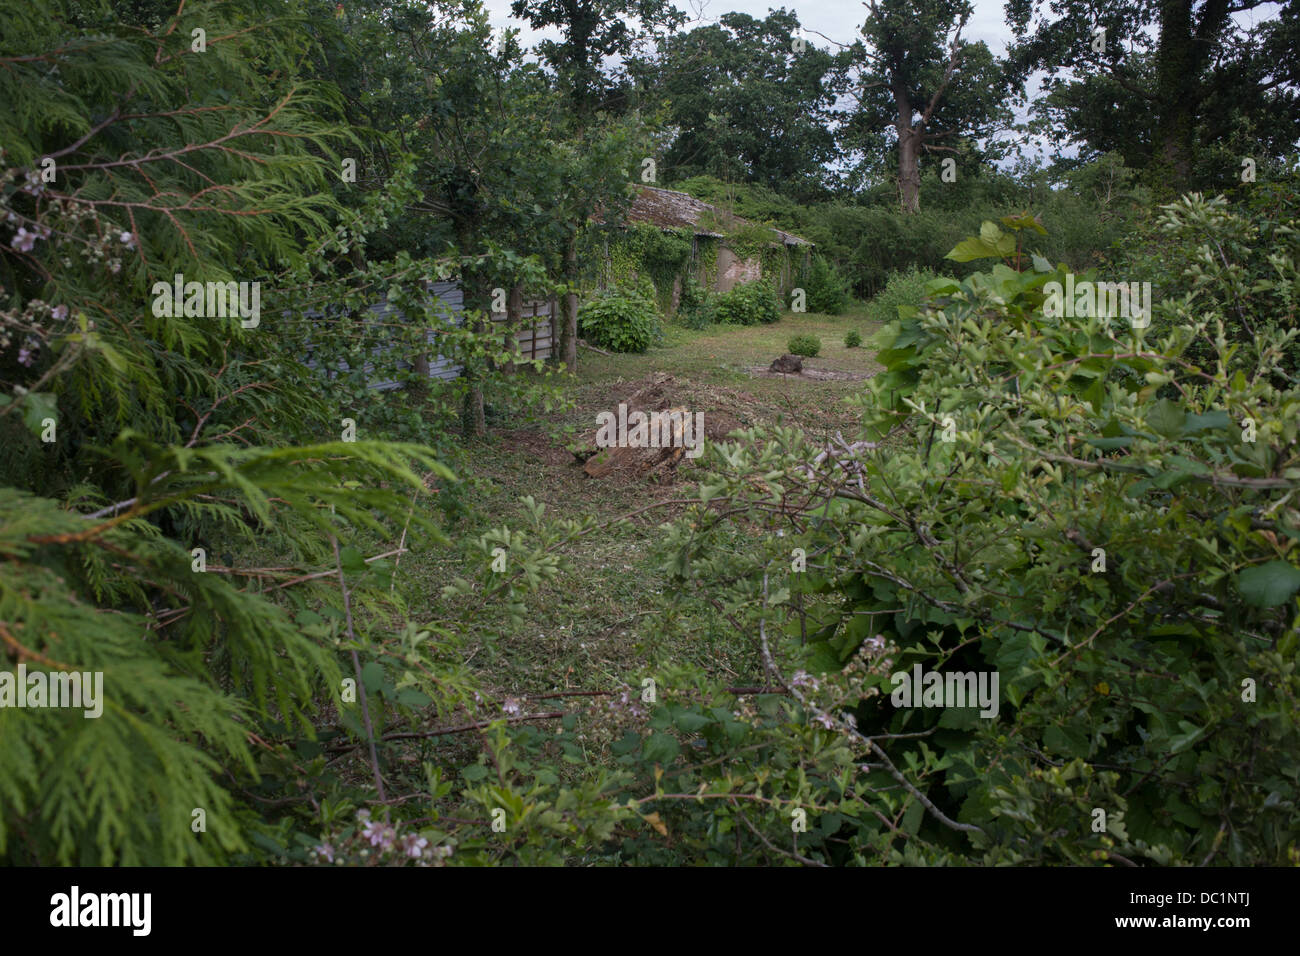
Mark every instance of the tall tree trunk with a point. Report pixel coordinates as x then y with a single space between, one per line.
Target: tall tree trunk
420 366
569 336
909 153
909 171
473 416
1182 55
476 299
514 314
1174 66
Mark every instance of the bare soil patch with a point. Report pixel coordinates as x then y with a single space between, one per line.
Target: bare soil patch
811 374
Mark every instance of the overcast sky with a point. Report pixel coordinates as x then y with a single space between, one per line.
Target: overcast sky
841 19
838 19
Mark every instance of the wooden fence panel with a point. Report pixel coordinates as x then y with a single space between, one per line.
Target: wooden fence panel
534 340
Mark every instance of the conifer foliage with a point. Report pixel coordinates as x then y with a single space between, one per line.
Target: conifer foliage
175 143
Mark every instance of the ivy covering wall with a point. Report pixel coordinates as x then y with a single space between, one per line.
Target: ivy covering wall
622 257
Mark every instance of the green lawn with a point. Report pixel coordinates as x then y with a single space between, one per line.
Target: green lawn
723 368
723 353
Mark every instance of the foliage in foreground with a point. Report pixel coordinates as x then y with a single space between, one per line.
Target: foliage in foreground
1066 502
1069 503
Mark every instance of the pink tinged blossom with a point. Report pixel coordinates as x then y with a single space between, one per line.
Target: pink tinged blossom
803 679
24 241
325 850
825 721
511 707
379 834
25 357
60 312
414 845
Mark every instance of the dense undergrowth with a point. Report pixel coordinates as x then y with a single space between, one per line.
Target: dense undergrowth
304 602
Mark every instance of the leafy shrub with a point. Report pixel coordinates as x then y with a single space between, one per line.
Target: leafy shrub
1076 510
696 307
620 321
903 288
827 290
1170 253
748 304
805 345
852 339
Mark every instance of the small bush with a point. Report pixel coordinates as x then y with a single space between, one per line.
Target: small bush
828 291
696 309
620 321
805 345
748 304
902 288
852 339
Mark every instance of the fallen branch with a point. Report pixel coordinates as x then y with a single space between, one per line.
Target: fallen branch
476 725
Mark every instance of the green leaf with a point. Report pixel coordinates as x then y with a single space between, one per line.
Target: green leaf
1095 394
352 560
1269 584
1067 741
660 748
1166 418
972 248
410 697
372 675
38 406
1184 740
688 721
1214 419
1110 444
